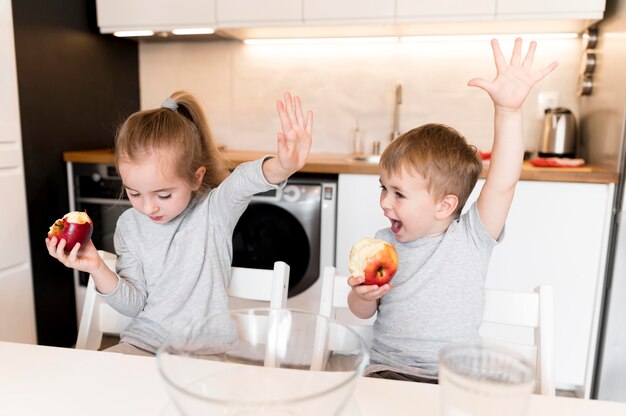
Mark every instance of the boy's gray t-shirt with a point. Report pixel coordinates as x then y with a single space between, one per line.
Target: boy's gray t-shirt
436 297
170 274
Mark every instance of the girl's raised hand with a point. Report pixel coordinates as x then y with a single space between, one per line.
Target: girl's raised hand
294 142
514 80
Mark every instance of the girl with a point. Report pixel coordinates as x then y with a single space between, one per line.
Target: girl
174 245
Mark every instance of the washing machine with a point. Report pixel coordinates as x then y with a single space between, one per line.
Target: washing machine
295 224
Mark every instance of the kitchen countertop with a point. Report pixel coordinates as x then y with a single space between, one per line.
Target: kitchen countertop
333 163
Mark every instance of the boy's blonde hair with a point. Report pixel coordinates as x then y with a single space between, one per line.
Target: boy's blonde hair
441 155
181 132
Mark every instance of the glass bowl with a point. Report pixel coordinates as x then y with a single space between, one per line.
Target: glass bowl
262 361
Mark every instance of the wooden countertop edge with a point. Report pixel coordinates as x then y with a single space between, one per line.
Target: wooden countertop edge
332 163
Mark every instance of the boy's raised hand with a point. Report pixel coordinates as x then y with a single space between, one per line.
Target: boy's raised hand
294 142
514 80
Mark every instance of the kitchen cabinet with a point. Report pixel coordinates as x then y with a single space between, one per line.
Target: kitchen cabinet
335 16
553 9
348 11
556 234
157 15
410 10
17 311
249 13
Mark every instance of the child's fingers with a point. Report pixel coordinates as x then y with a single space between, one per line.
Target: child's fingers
299 116
497 55
482 84
516 56
355 280
309 123
51 245
73 256
290 110
60 251
285 123
379 292
539 75
530 55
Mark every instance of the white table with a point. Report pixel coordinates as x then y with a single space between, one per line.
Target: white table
39 380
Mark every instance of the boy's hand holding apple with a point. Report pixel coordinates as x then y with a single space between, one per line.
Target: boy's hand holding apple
373 263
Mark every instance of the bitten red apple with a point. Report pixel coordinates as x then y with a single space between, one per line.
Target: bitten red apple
74 227
376 260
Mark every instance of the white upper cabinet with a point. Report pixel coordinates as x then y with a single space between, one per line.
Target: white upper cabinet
551 9
157 15
232 13
348 11
419 16
411 10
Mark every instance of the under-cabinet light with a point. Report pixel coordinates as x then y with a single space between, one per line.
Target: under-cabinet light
307 41
194 31
131 33
417 38
501 36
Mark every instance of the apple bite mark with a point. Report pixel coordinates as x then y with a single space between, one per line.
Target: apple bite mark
75 227
375 260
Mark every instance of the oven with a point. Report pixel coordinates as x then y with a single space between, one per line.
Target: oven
295 224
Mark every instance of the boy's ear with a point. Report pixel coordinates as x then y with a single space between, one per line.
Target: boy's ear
447 206
198 176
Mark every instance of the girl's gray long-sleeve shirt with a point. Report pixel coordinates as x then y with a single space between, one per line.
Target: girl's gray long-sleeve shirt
170 274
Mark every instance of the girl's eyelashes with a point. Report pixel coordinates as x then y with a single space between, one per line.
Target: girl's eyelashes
137 195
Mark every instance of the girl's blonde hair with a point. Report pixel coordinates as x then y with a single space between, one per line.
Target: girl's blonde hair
179 130
441 155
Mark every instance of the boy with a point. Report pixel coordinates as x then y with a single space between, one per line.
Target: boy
426 177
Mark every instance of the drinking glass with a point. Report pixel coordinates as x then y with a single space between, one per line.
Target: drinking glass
479 379
262 361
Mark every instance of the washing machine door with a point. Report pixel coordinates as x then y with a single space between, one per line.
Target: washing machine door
267 233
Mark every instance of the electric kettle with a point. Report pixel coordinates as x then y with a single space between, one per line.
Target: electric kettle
559 133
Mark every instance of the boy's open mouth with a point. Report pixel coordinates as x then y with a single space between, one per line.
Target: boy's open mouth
396 226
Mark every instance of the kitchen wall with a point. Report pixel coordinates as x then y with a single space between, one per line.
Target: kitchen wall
238 85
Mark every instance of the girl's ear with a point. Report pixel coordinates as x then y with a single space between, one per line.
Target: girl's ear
447 206
198 176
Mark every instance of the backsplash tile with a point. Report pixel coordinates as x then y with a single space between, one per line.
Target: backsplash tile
238 86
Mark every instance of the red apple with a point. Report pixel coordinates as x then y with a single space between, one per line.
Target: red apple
376 260
74 227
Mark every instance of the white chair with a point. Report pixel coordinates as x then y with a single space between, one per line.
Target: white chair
507 314
334 304
99 318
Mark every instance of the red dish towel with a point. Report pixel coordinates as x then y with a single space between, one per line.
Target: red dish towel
556 162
